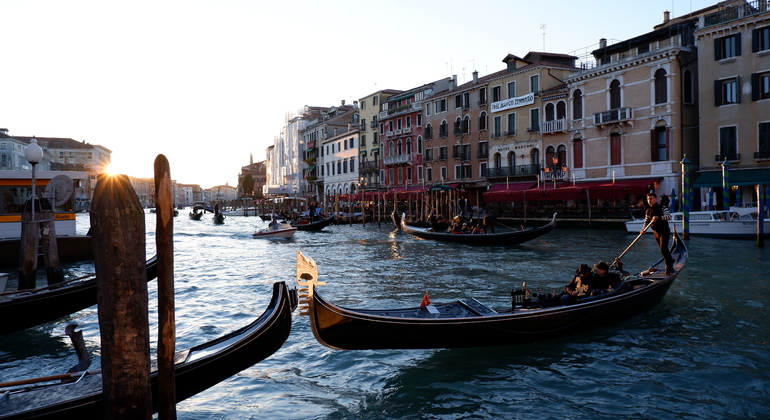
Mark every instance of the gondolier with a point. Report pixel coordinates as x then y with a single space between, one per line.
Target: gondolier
658 216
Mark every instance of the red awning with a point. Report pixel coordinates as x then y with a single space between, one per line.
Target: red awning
501 193
598 190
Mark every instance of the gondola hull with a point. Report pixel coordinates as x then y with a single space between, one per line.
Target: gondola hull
28 308
314 226
503 238
469 323
196 370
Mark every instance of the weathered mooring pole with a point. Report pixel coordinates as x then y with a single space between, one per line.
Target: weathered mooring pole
164 240
118 234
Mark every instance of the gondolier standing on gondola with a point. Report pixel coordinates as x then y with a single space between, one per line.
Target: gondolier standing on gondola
658 216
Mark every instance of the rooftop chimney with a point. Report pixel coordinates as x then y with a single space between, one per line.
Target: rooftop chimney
603 43
666 16
475 76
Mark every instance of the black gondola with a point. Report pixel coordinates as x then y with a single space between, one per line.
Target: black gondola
197 368
196 214
469 323
24 309
511 237
313 226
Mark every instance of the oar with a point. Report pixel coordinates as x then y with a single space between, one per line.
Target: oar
632 244
49 378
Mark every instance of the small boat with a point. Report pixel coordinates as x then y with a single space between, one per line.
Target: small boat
733 223
24 309
470 323
437 224
276 230
71 248
196 214
306 225
196 369
511 237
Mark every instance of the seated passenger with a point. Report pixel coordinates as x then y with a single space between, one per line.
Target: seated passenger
604 280
579 286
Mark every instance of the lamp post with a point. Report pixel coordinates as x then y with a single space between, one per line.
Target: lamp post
34 155
294 188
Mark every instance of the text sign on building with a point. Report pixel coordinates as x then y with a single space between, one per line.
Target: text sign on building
527 99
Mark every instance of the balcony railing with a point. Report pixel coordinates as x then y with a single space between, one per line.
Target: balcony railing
397 160
613 115
761 155
482 154
510 132
553 126
370 164
728 157
400 110
443 133
515 171
736 12
461 155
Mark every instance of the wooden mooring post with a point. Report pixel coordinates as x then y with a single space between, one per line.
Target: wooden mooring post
118 234
38 230
164 240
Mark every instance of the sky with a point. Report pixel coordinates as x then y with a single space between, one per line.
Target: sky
209 83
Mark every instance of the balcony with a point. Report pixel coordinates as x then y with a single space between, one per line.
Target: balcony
497 135
553 126
509 133
735 12
482 154
612 116
397 160
443 133
730 157
400 110
762 155
370 165
461 155
516 171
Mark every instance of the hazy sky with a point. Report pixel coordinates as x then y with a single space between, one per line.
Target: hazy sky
207 83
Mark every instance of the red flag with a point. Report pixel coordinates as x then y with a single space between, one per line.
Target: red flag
425 300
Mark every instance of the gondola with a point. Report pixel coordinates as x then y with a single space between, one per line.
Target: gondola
24 309
470 323
438 225
510 237
313 226
196 369
196 214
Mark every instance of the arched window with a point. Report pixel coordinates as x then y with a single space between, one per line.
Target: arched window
458 125
467 124
561 154
483 121
408 146
561 110
549 112
577 104
661 93
428 132
512 160
399 148
444 129
391 150
419 144
498 160
614 94
550 153
577 152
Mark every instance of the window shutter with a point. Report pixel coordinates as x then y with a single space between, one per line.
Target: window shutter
755 86
718 49
738 44
754 40
717 93
653 145
738 89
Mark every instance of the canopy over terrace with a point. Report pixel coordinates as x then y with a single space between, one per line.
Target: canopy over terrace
601 190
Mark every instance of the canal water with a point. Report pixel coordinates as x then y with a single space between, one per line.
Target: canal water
703 353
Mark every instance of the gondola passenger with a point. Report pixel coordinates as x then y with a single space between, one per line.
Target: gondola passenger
604 280
581 285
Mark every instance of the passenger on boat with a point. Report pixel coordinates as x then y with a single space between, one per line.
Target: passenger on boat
456 226
579 286
659 217
604 280
489 222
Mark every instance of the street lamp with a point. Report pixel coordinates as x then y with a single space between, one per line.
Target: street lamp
34 155
555 171
294 188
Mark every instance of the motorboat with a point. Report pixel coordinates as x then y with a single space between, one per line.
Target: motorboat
733 223
276 229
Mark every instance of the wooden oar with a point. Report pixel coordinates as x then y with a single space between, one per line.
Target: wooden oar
632 243
49 378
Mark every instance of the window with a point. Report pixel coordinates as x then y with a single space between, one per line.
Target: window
408 121
443 173
466 100
408 145
458 125
534 84
643 49
550 112
512 90
760 39
561 110
728 143
661 93
615 94
428 154
687 87
428 132
429 174
577 104
660 144
466 124
442 153
726 91
727 47
615 156
428 109
419 144
443 129
760 86
374 101
419 120
577 153
363 139
483 121
497 130
363 104
440 105
408 174
482 96
458 101
763 145
534 119
511 124
496 97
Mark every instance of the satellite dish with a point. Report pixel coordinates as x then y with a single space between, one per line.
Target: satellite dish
59 189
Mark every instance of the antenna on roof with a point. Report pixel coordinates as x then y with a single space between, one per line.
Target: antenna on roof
542 28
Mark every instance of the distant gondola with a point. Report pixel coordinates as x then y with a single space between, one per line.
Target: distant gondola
469 323
24 309
196 214
196 370
510 237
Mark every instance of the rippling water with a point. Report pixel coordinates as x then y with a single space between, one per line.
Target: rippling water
701 354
